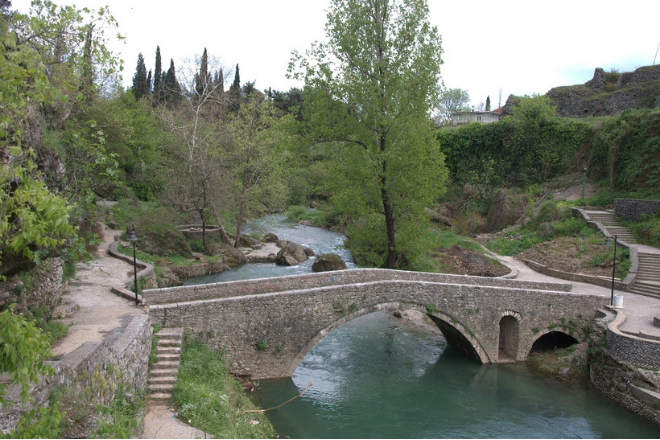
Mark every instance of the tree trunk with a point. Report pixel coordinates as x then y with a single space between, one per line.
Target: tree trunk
223 233
390 262
239 222
389 224
201 215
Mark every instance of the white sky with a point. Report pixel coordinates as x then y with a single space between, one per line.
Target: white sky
518 47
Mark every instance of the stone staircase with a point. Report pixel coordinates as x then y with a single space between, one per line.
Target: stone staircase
647 281
162 376
609 221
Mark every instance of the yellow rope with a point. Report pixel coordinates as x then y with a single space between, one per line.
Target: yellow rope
280 405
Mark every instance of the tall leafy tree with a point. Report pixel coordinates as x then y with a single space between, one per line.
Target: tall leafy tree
140 82
371 87
255 164
488 103
196 177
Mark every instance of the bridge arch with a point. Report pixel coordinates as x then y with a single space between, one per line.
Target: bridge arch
509 336
555 336
456 334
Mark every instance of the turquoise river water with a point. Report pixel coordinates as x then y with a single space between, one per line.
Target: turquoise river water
378 376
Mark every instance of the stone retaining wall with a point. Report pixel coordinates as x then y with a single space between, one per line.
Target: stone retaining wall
642 352
94 368
633 209
146 270
581 278
625 368
342 277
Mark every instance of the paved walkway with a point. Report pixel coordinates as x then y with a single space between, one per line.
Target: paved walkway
639 309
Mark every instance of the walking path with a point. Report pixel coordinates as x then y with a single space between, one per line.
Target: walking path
97 311
93 311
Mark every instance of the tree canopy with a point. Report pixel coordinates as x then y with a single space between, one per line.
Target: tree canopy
371 87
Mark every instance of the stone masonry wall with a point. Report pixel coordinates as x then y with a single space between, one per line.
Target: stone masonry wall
266 335
633 209
93 368
625 368
251 287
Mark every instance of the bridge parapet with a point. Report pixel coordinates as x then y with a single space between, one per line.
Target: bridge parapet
266 335
197 292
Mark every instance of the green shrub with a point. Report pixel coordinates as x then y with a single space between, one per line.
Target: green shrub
647 230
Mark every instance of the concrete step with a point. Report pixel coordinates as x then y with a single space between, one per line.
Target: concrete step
161 380
161 388
164 372
168 350
168 358
647 289
160 396
165 365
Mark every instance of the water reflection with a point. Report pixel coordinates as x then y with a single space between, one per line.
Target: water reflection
377 378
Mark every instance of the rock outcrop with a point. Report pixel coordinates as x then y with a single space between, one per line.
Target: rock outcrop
609 93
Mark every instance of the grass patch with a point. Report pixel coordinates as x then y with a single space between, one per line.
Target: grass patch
322 217
211 399
554 219
647 230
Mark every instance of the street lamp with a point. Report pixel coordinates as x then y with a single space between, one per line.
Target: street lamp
133 238
607 243
584 180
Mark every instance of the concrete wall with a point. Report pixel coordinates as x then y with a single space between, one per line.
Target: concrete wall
266 335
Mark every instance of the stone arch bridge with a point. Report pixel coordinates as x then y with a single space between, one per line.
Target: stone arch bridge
266 326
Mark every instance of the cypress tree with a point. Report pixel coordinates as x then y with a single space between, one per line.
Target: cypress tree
235 91
140 86
236 85
202 78
158 78
149 82
488 103
172 89
219 80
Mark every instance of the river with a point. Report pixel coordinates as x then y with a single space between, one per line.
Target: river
380 377
321 241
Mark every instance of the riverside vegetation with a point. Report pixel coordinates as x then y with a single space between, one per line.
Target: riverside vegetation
177 148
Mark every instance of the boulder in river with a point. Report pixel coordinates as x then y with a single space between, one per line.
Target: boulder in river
271 238
291 254
328 262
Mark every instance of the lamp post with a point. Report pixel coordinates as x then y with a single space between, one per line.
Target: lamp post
607 243
133 238
584 180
